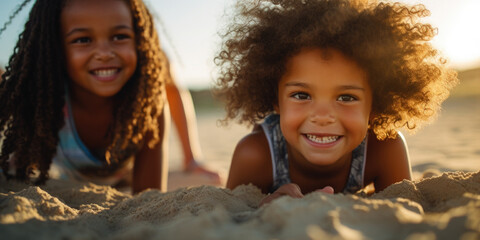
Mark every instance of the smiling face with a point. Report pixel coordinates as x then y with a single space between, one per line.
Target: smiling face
324 103
99 45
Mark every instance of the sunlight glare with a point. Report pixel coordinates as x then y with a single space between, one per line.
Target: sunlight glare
459 37
464 39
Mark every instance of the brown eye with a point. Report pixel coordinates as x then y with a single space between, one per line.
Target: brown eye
346 98
301 96
81 40
120 37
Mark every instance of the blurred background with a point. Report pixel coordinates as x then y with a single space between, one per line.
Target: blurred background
188 31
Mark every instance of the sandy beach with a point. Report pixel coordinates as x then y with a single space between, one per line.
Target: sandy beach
442 207
442 202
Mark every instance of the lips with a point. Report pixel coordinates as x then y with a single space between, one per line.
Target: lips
105 74
322 139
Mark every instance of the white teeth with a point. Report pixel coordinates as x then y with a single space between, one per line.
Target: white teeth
105 72
326 139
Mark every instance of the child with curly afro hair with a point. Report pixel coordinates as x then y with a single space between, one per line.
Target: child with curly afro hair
328 84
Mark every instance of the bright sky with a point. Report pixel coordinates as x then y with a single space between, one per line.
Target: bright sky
192 26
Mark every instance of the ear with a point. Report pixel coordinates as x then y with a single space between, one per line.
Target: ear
276 108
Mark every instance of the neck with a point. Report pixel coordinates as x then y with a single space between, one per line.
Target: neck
87 101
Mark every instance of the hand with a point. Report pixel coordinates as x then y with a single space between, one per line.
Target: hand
292 190
326 189
195 167
289 189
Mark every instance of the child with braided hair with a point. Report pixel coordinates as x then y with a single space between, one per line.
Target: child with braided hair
84 92
328 84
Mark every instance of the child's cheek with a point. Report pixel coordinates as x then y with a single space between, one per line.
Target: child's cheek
292 116
356 120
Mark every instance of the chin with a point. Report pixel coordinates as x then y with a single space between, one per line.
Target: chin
108 93
322 161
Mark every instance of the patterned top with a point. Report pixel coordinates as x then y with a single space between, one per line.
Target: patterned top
278 151
73 160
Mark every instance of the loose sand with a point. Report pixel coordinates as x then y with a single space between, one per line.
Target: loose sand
441 207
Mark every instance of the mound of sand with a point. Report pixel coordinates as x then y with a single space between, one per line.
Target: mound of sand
441 207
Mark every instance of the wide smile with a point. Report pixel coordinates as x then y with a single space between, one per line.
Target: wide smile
322 139
105 74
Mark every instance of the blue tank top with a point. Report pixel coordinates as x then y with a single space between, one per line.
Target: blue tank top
278 151
74 161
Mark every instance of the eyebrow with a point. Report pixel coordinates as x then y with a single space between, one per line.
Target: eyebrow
343 87
296 84
75 30
351 87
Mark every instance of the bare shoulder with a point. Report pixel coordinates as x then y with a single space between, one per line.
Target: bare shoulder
251 162
252 147
388 161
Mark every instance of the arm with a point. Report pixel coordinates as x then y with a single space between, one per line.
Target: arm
183 115
251 162
388 161
151 166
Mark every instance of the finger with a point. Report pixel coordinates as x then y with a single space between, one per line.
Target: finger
290 189
267 199
326 189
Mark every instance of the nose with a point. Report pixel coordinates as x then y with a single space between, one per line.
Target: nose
104 52
322 113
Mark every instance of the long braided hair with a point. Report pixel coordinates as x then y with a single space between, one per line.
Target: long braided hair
32 93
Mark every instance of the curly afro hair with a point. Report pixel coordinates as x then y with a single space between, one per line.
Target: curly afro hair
408 78
32 95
